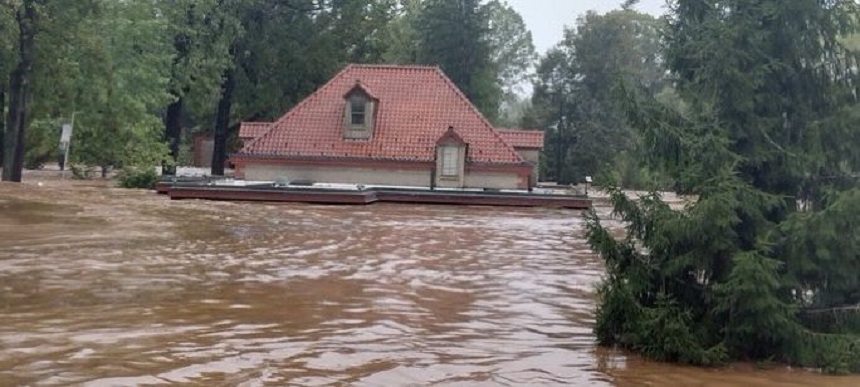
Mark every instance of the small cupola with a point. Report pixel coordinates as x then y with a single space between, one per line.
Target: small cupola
359 113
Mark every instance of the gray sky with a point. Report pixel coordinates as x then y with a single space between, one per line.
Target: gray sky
547 18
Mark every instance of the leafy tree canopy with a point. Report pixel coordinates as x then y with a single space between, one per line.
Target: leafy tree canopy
574 94
484 48
207 65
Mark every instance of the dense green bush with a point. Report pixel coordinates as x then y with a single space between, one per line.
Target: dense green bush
629 172
42 142
145 178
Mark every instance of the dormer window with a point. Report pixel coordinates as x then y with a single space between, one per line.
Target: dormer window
359 112
451 153
450 161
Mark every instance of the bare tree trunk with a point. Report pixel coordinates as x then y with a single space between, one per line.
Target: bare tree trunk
2 120
19 84
225 105
173 120
17 128
173 134
559 152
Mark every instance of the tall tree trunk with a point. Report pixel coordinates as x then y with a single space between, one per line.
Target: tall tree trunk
560 150
19 84
173 135
2 120
225 105
173 120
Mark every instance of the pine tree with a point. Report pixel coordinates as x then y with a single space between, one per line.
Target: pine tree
763 262
453 34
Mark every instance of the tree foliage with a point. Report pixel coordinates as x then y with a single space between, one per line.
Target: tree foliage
399 42
763 263
201 33
453 34
285 50
574 95
117 125
513 56
484 48
123 68
112 84
512 50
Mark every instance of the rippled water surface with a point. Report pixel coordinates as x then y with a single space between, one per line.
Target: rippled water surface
105 287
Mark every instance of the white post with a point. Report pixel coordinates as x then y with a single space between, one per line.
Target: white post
65 143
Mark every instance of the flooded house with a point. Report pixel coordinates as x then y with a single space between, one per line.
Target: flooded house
391 126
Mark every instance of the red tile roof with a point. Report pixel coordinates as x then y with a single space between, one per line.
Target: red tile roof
450 136
363 88
416 107
532 139
252 130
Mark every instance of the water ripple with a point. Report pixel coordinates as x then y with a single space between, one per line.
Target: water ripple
107 287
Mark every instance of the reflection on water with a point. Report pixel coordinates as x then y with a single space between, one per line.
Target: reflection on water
106 287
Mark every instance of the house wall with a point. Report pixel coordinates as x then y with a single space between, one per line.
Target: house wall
533 157
326 174
419 177
530 155
494 180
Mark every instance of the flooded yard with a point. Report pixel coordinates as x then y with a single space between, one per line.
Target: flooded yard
103 287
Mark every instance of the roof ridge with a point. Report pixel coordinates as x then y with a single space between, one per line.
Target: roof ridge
472 106
249 147
519 130
393 66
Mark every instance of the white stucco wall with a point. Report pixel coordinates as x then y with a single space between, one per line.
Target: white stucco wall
492 180
338 175
369 176
530 155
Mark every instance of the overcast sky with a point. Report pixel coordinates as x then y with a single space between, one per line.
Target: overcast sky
547 18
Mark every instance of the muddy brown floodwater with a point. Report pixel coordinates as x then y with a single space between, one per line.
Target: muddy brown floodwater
105 287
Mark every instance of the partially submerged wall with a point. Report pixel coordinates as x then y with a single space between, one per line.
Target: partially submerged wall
474 178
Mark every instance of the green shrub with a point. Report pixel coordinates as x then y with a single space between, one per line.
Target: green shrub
144 178
43 136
